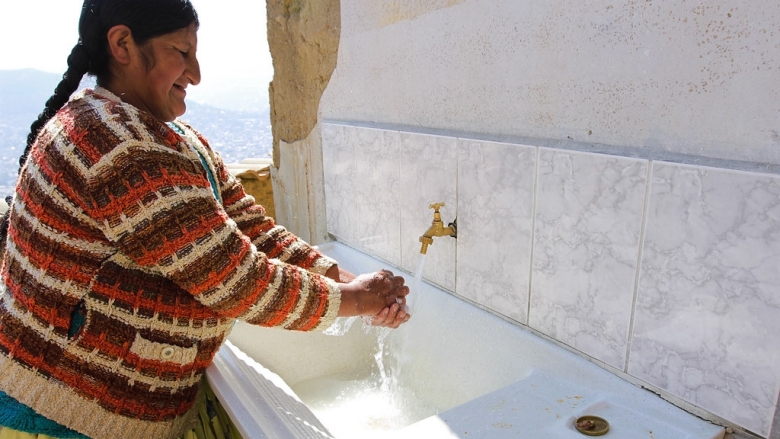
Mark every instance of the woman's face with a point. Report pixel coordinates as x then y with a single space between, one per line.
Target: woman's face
167 67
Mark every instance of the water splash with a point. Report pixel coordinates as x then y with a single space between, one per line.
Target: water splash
340 326
357 406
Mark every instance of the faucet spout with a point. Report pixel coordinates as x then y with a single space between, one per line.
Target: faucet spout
437 228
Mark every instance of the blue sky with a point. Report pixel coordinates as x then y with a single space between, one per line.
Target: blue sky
232 46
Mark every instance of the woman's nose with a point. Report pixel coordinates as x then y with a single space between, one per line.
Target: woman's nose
193 71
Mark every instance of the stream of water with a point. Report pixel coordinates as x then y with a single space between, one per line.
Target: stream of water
369 405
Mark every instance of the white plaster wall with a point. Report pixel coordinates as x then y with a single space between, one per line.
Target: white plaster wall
651 79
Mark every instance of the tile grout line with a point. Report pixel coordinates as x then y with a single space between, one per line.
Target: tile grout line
642 231
533 236
400 201
457 210
353 141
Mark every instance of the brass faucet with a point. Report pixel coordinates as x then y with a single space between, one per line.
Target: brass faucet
437 228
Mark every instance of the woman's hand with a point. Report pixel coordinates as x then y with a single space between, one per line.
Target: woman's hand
391 316
370 294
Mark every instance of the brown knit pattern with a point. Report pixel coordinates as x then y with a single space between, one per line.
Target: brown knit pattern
114 214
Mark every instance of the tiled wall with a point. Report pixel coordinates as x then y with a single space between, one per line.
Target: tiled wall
667 272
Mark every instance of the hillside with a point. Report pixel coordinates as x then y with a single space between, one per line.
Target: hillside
23 93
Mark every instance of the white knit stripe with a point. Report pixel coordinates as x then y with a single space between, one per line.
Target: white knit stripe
146 213
334 303
303 298
58 403
131 148
110 119
240 214
67 149
62 237
154 323
41 276
219 294
121 128
117 368
34 172
200 251
124 261
322 264
238 209
152 350
263 237
273 287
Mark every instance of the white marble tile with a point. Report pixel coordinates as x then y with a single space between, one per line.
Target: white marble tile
495 217
429 174
586 248
707 318
377 155
338 157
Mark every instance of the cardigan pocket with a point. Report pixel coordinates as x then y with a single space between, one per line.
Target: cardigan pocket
163 352
78 318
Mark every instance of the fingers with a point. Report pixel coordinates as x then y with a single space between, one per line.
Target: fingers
392 316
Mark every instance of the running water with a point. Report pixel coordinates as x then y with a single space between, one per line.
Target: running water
415 287
362 405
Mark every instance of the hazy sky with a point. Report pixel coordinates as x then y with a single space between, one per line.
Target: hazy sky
232 46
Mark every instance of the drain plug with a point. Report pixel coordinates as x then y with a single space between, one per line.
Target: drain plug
591 425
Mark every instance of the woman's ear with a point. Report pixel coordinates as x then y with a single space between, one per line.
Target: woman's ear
120 43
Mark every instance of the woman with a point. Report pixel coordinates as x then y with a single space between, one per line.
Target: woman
131 251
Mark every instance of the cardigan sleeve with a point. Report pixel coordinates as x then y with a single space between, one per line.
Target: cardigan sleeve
157 206
270 238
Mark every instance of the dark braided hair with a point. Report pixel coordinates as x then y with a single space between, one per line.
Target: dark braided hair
145 18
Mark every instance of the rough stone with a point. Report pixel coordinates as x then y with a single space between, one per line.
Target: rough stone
303 36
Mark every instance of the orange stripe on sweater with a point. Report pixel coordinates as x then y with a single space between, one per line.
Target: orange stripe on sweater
43 215
45 261
294 291
218 277
120 205
138 302
45 313
311 257
315 319
78 136
170 248
72 195
85 386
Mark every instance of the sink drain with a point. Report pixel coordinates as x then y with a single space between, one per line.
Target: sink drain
591 425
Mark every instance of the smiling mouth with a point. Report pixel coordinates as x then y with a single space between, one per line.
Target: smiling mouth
180 88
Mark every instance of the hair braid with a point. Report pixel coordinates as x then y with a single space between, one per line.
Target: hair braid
78 64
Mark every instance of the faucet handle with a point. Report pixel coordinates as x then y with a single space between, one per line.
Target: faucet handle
436 206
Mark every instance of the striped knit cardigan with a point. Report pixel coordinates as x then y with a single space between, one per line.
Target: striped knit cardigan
115 218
